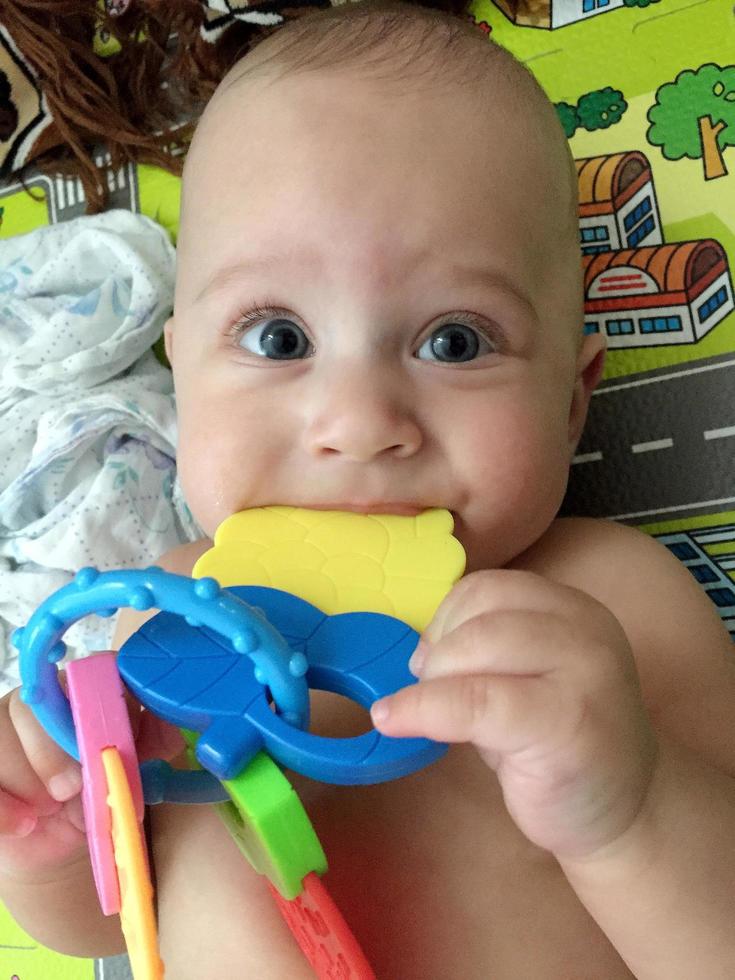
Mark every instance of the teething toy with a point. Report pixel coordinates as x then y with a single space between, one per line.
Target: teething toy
101 721
333 601
184 676
136 893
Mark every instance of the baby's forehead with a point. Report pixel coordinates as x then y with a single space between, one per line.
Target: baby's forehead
262 145
404 50
250 108
506 146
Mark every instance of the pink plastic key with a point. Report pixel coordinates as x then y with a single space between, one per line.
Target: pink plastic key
101 721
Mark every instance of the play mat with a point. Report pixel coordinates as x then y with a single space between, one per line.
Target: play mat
646 92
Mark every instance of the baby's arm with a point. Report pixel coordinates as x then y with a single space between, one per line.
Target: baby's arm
598 682
664 892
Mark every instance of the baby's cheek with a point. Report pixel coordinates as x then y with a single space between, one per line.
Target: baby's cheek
194 485
203 473
519 442
519 470
545 459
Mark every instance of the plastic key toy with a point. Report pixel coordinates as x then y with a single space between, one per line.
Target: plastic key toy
333 601
136 892
101 720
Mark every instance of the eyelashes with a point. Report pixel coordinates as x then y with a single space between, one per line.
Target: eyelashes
258 313
251 315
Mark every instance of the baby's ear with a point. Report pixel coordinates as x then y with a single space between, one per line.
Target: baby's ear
168 339
589 368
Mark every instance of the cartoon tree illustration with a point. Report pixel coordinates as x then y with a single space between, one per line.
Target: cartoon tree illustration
694 117
638 3
594 110
568 116
600 109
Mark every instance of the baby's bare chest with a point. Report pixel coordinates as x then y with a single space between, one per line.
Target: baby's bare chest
430 872
437 882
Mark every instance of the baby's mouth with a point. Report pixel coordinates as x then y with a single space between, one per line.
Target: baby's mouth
392 507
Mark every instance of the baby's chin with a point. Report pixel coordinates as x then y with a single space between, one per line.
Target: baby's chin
494 546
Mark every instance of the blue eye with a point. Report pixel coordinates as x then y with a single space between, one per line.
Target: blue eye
278 339
454 343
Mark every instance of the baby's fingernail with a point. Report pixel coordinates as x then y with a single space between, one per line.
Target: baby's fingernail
380 710
25 826
416 661
65 784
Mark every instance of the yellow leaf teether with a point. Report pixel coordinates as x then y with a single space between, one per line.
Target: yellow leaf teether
341 562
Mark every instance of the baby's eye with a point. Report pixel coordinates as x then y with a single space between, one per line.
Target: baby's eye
453 343
278 339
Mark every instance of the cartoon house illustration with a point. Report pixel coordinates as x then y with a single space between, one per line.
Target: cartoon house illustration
658 294
617 203
550 14
712 573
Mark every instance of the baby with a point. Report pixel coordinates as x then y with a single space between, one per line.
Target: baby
379 309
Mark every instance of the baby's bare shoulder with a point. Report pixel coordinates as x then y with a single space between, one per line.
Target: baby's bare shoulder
655 597
684 654
599 555
608 560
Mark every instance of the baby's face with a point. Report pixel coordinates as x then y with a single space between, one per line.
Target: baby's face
375 310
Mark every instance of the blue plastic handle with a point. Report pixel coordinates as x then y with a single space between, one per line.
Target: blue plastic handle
201 601
184 676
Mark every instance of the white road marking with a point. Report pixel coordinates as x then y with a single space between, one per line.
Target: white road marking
587 458
663 377
648 447
668 510
720 433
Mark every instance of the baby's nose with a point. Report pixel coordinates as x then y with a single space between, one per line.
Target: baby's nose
363 445
363 425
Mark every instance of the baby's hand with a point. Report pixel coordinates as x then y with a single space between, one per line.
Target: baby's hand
41 821
541 678
41 824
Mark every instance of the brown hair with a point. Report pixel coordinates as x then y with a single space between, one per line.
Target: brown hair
119 101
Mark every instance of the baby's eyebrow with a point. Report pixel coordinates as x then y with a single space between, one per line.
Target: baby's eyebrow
462 275
465 275
233 273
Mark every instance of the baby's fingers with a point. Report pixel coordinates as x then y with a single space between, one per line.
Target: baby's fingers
504 642
500 714
496 590
17 819
22 794
35 768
